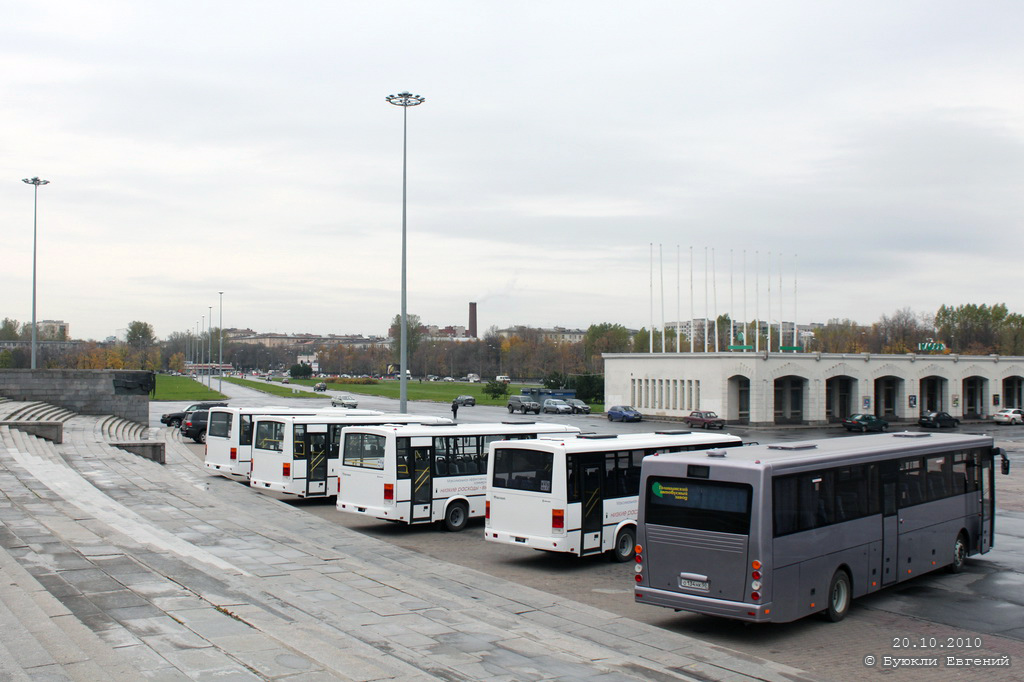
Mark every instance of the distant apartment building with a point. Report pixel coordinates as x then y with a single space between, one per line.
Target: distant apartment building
554 335
310 341
54 330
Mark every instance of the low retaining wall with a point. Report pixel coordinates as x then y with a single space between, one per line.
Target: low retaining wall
51 431
152 451
124 393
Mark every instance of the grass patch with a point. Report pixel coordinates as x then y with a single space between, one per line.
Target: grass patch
274 388
183 388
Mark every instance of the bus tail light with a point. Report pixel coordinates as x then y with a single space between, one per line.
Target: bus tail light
389 491
756 596
558 519
639 568
755 583
487 510
286 469
234 453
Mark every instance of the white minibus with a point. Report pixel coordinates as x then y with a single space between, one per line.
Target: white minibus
229 435
576 495
420 474
298 455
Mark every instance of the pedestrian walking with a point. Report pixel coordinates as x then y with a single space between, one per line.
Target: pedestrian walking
455 409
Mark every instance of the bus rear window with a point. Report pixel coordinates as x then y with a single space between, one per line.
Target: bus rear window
363 450
220 425
520 469
699 505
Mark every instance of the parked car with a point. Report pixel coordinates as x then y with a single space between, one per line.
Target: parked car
556 406
623 413
704 420
466 400
1010 415
448 379
194 426
522 403
344 400
864 422
286 380
320 387
938 419
578 406
176 419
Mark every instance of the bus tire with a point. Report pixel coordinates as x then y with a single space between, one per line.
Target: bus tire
456 516
839 597
625 545
959 554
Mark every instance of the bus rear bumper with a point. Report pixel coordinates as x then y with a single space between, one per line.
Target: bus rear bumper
546 544
390 513
754 613
227 471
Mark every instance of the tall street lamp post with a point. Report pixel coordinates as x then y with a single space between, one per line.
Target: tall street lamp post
209 354
220 344
35 182
404 100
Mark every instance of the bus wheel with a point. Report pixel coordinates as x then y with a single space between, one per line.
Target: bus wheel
625 545
456 516
959 554
838 597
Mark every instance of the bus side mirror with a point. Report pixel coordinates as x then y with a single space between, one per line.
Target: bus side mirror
1005 466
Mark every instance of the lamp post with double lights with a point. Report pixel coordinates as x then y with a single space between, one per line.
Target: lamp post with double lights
209 354
404 100
35 182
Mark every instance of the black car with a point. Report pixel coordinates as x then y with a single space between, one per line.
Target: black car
467 400
937 420
194 426
864 422
176 419
519 403
578 406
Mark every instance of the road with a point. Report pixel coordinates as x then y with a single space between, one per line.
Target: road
986 601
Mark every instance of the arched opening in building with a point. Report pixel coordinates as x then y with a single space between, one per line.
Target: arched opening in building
975 397
738 405
840 398
889 392
934 394
1013 392
790 397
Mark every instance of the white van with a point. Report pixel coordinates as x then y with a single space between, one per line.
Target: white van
503 378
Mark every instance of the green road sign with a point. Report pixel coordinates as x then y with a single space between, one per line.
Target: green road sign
741 348
791 347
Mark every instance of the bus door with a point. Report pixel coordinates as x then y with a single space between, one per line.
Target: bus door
987 498
592 497
316 461
422 483
890 521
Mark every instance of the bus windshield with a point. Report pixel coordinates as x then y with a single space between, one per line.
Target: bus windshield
520 469
699 505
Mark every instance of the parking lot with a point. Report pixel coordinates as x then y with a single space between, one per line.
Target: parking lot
985 601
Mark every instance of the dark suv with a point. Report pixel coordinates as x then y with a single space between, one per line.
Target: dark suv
194 426
176 419
522 403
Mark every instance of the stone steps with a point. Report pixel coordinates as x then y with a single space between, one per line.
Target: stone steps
39 411
194 576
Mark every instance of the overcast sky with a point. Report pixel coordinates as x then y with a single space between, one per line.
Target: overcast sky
197 147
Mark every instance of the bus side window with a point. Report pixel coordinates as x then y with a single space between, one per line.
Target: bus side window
911 486
785 505
299 444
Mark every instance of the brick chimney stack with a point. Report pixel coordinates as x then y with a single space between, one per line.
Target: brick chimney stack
472 320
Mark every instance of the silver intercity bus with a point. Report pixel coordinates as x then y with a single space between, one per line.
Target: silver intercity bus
777 532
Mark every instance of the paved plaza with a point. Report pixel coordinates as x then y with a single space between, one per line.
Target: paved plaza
115 567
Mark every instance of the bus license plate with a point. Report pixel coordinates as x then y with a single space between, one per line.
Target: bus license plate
688 584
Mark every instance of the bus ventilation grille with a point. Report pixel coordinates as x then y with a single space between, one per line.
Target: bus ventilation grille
912 434
674 433
793 446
